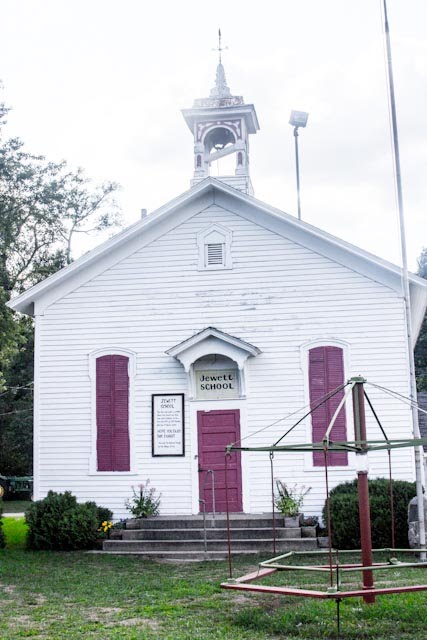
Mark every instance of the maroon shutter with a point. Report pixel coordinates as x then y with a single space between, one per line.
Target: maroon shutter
326 373
121 461
112 413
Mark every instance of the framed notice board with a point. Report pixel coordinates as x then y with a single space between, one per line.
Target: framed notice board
167 424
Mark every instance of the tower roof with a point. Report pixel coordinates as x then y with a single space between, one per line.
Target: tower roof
220 94
221 98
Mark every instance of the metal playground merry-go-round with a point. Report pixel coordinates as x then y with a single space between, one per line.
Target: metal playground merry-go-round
332 562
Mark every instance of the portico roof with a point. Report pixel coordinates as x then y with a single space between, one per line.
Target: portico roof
212 341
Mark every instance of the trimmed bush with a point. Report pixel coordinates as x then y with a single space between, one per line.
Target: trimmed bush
60 523
2 538
102 514
344 508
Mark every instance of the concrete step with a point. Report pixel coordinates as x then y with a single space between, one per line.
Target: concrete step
238 520
238 545
211 534
188 556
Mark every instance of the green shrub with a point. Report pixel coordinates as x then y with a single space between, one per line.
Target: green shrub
60 523
102 513
2 538
344 506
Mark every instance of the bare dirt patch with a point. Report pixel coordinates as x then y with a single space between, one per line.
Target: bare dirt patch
99 614
8 588
142 622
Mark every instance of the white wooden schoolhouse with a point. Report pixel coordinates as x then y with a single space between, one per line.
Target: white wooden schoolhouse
205 323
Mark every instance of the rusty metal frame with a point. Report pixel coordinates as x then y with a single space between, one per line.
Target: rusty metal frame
272 566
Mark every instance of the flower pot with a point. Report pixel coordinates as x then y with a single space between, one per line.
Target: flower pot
292 522
323 542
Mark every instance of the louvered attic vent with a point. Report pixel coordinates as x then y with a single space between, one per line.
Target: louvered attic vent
214 254
214 244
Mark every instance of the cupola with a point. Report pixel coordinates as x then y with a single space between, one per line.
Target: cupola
221 125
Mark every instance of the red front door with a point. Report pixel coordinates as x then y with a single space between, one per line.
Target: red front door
217 429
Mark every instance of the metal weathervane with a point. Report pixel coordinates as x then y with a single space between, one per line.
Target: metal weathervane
219 48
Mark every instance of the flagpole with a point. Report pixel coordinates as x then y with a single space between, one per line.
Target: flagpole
419 454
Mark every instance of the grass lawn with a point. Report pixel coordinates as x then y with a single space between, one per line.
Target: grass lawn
15 531
77 595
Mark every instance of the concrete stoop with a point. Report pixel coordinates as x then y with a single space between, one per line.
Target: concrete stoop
183 537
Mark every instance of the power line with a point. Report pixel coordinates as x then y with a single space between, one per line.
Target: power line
28 387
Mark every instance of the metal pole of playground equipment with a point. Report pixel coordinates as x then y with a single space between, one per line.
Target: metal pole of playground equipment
362 486
406 293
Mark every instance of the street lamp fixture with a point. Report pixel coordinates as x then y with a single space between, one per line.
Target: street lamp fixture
298 119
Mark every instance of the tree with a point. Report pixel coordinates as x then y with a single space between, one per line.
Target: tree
421 346
43 206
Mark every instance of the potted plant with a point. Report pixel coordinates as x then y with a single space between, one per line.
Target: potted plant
289 502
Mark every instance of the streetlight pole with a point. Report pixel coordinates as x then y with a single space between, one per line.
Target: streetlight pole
297 171
298 119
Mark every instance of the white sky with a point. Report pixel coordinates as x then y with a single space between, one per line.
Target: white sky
101 83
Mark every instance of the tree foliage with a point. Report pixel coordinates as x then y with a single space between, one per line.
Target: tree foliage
421 346
44 206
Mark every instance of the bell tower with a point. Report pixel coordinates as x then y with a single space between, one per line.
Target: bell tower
221 125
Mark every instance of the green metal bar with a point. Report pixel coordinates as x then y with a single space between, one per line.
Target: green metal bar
373 567
296 567
370 445
330 395
337 411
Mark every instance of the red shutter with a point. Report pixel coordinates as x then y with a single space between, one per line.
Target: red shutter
112 413
121 459
326 373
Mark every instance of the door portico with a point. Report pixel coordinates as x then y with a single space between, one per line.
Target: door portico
215 363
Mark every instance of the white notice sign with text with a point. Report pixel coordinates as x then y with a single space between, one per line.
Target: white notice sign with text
168 424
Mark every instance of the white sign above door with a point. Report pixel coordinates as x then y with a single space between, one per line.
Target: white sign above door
215 384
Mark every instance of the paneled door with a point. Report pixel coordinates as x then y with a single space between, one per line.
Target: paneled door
217 429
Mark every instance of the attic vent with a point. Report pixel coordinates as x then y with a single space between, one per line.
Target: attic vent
214 254
214 244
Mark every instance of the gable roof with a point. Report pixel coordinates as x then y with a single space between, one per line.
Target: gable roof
199 197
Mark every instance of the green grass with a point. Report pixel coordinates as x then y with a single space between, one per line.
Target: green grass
15 531
83 596
14 506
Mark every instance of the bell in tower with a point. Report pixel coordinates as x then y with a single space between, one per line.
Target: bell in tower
221 125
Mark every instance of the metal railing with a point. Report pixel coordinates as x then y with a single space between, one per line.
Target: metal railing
202 502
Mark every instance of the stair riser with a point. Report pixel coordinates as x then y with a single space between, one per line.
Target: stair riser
211 534
197 523
197 556
213 545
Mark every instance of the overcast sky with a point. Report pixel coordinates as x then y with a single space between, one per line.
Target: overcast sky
100 83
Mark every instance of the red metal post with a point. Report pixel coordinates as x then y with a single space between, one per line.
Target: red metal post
363 489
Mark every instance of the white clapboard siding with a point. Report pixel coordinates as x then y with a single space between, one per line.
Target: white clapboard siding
278 296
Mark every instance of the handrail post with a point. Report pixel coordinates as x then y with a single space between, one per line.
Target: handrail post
213 497
205 542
